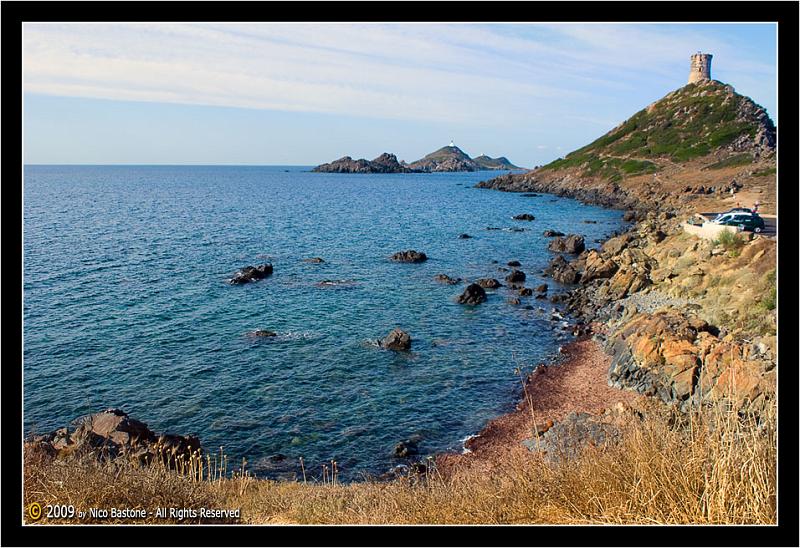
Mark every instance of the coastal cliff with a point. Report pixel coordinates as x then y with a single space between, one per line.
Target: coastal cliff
685 320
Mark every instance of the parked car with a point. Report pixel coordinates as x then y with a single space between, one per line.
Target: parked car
745 221
734 210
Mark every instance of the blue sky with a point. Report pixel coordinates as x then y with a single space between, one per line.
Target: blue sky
303 94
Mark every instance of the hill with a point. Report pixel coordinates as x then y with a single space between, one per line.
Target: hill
449 158
701 140
487 162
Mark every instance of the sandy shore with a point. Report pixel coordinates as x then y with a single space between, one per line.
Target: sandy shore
577 383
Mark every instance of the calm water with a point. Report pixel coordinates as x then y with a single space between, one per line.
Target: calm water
127 305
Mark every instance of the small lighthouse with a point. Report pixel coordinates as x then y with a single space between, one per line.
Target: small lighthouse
700 67
451 143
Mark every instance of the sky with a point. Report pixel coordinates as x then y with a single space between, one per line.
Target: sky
304 94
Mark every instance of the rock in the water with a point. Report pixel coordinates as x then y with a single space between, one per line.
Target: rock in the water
397 339
407 448
251 274
514 263
512 300
542 288
409 256
464 236
563 272
473 294
571 244
516 277
488 283
552 233
314 260
445 279
524 217
525 292
264 333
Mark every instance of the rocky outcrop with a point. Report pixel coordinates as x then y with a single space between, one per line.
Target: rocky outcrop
409 256
473 294
549 233
113 434
573 243
385 163
679 359
251 274
524 217
596 266
397 339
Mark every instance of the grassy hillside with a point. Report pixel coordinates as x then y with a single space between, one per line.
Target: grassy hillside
692 122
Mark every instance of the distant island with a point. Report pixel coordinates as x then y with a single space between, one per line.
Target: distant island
449 158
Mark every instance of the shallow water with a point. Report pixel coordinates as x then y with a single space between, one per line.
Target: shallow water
126 305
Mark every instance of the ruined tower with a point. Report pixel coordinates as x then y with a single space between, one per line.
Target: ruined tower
701 67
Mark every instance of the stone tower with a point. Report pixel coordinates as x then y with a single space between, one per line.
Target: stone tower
701 67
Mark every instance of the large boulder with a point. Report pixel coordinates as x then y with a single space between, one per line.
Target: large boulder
573 243
473 294
397 339
549 233
488 283
409 256
114 425
516 277
251 274
524 217
596 266
563 272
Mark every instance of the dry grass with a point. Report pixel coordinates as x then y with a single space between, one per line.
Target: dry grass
708 467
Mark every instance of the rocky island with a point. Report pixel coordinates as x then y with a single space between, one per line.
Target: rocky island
449 158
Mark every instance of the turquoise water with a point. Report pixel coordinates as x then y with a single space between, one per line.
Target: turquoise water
126 305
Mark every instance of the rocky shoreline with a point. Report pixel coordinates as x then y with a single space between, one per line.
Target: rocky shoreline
653 347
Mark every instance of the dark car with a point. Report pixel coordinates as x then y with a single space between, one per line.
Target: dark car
747 221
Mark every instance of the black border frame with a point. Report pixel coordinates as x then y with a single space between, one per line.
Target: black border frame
786 14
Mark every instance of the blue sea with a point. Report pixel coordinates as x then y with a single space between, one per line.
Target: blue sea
126 304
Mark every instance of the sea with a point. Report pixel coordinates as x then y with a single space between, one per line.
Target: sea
127 304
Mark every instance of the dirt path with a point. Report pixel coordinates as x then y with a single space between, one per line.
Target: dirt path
579 383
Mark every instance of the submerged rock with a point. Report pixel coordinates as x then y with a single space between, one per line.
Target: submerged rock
263 333
251 274
409 256
473 294
445 279
524 217
551 233
314 260
464 236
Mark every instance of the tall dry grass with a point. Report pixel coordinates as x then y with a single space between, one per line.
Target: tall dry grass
708 467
